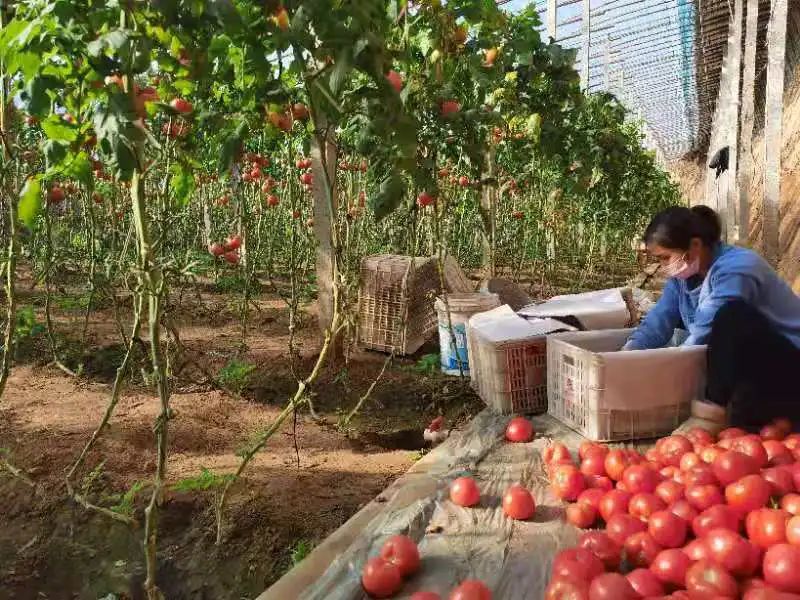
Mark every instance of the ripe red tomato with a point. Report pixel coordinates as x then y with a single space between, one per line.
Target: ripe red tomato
700 475
401 551
670 567
621 526
696 550
792 441
689 461
567 588
425 596
450 107
233 243
231 257
780 480
642 506
519 429
613 503
272 200
782 567
706 579
720 516
672 448
640 479
594 464
791 504
591 497
729 549
380 578
732 465
704 496
752 446
556 452
581 515
772 432
599 483
567 482
710 453
644 583
667 529
588 448
307 179
471 589
748 493
603 547
766 527
181 105
683 509
778 453
464 491
395 80
616 462
216 249
577 563
731 433
698 435
793 531
463 181
55 195
641 549
518 503
611 586
669 491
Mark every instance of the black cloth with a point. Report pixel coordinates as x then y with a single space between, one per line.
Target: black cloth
752 369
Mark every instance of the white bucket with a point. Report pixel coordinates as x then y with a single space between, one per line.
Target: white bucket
462 307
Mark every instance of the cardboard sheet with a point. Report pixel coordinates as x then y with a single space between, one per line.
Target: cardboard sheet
603 309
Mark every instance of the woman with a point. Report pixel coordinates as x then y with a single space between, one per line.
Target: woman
731 299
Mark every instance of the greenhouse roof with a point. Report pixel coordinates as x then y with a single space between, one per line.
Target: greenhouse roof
661 58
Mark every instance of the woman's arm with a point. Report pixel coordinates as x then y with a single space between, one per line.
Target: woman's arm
659 324
726 287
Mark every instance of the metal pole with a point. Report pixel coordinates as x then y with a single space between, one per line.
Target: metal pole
552 19
586 43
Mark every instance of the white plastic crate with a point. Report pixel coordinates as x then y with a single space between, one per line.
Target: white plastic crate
608 395
508 360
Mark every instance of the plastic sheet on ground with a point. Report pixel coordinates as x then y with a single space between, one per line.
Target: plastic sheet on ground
512 557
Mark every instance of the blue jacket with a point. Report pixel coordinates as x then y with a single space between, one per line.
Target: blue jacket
735 274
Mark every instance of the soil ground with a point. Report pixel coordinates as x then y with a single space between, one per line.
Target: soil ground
286 502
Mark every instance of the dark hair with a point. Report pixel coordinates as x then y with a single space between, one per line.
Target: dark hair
676 226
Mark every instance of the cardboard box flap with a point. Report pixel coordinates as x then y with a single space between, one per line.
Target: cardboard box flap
603 309
503 324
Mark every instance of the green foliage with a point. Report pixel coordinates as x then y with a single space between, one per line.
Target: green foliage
236 375
27 325
205 481
124 503
300 550
232 284
428 364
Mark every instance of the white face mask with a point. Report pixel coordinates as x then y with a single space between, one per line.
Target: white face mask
681 268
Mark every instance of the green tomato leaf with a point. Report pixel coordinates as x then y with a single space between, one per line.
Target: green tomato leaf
57 129
182 183
35 97
389 196
30 201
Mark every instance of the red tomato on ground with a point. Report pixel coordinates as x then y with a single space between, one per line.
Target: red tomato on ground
599 483
793 531
565 588
752 446
706 579
588 448
689 461
780 480
791 504
640 479
577 563
611 586
672 448
782 567
767 527
777 453
519 429
603 547
621 526
401 551
518 503
748 493
772 432
716 517
592 497
696 550
567 482
667 529
670 567
594 464
731 433
702 474
644 583
705 496
669 491
380 578
464 491
556 452
642 506
581 515
613 503
616 462
698 435
641 549
729 549
684 510
732 466
471 589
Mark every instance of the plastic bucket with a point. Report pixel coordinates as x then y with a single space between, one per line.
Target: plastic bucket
462 307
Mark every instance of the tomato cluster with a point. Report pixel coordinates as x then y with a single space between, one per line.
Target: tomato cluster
382 576
229 250
697 517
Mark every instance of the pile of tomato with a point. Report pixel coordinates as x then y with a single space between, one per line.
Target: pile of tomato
697 516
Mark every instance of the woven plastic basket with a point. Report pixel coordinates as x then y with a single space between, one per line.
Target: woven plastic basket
608 395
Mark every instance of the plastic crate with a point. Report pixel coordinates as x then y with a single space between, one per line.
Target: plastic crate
608 395
510 376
